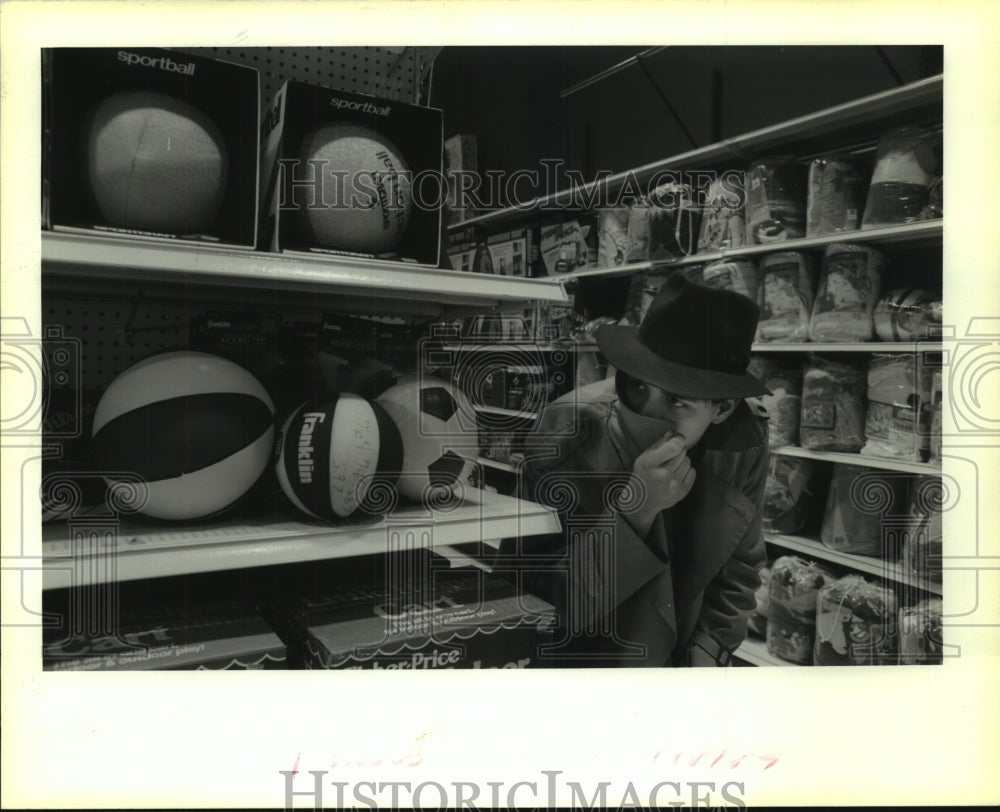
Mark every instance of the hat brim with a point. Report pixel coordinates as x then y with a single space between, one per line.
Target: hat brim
623 350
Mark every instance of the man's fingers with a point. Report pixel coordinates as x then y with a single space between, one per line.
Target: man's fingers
663 450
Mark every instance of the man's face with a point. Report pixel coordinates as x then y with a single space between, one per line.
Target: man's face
688 417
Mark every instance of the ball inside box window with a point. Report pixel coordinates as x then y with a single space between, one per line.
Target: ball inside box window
156 163
364 199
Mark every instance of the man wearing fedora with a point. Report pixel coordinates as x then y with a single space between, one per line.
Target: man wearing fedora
658 476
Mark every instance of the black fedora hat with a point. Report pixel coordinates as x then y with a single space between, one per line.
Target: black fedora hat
694 341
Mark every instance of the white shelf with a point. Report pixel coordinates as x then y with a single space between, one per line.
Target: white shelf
755 652
115 258
474 345
504 412
857 119
145 549
860 459
873 566
857 346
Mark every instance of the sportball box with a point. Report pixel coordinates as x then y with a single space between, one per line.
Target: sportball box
353 175
211 636
468 620
150 144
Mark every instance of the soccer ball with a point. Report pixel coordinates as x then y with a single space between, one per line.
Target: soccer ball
431 415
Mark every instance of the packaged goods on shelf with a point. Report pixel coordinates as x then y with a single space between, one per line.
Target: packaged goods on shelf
223 635
740 275
457 620
336 175
859 504
897 422
907 314
837 190
934 441
791 622
723 222
508 253
792 494
757 624
151 144
833 406
460 159
856 624
775 200
849 286
907 164
922 547
569 246
612 237
784 404
674 221
920 633
787 291
497 445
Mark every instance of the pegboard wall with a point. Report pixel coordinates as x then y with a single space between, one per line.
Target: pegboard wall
399 73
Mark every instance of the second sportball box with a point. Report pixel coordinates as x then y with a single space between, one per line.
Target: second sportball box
350 174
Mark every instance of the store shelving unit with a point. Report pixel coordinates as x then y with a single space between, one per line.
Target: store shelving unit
146 549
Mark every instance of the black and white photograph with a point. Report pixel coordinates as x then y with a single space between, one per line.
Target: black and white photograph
604 385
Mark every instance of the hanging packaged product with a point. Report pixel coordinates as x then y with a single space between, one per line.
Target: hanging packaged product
723 223
787 289
920 633
791 622
612 237
934 441
907 314
856 624
907 164
897 423
791 495
757 623
849 286
739 275
833 406
837 189
923 544
775 200
859 505
784 404
569 246
664 225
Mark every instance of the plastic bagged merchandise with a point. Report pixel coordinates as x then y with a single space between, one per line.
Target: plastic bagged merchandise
833 406
897 423
723 224
856 624
934 441
907 164
920 633
612 237
907 314
776 200
934 210
784 404
849 286
836 201
922 547
674 222
757 624
791 621
790 494
733 274
787 286
857 503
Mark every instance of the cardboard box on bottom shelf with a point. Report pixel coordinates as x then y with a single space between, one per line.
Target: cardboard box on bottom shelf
468 620
215 636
